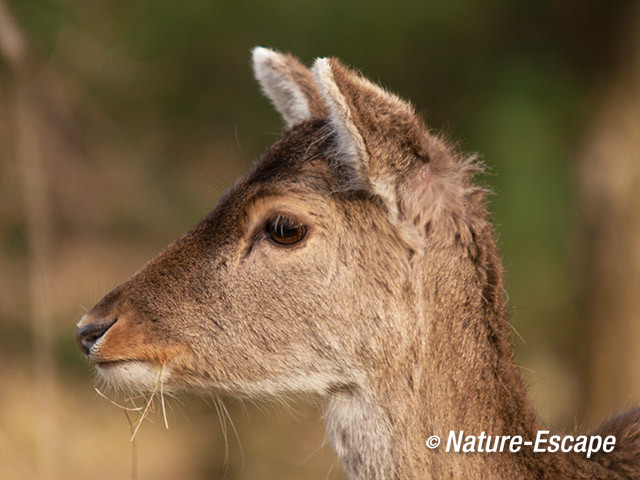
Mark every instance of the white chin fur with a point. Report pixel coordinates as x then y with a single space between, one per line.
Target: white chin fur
134 376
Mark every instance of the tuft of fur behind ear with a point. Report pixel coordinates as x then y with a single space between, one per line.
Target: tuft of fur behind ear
289 85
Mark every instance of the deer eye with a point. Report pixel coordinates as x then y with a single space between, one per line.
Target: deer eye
284 230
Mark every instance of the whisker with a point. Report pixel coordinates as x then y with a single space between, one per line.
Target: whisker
113 402
235 431
164 410
223 427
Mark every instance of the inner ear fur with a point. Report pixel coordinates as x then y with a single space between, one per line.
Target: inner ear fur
289 85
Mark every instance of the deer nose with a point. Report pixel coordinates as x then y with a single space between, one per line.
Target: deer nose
88 335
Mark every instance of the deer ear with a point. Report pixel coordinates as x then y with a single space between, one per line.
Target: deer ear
387 146
289 85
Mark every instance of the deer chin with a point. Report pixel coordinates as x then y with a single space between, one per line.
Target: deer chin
133 375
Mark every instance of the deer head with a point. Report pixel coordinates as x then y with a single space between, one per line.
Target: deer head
297 279
354 261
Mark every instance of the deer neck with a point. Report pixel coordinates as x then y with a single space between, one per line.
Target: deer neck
453 371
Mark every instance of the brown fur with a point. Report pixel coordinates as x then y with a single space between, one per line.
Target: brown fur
391 308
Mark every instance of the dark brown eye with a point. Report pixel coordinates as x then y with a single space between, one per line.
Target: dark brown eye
285 231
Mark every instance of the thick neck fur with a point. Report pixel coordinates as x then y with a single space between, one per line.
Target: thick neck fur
454 372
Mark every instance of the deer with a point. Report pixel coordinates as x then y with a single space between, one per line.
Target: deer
355 261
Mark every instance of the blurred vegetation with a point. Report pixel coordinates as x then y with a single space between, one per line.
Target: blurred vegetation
144 112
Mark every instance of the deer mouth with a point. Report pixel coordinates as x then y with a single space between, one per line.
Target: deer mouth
132 375
111 363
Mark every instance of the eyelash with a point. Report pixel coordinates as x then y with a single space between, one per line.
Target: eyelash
284 230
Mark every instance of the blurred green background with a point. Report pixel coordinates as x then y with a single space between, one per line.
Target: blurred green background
121 123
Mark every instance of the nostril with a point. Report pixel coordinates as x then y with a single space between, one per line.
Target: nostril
88 335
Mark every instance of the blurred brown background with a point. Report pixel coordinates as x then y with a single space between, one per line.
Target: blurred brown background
121 123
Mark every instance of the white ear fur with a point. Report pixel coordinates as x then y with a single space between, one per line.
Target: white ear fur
351 146
273 72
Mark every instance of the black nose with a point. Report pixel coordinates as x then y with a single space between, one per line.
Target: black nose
88 335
